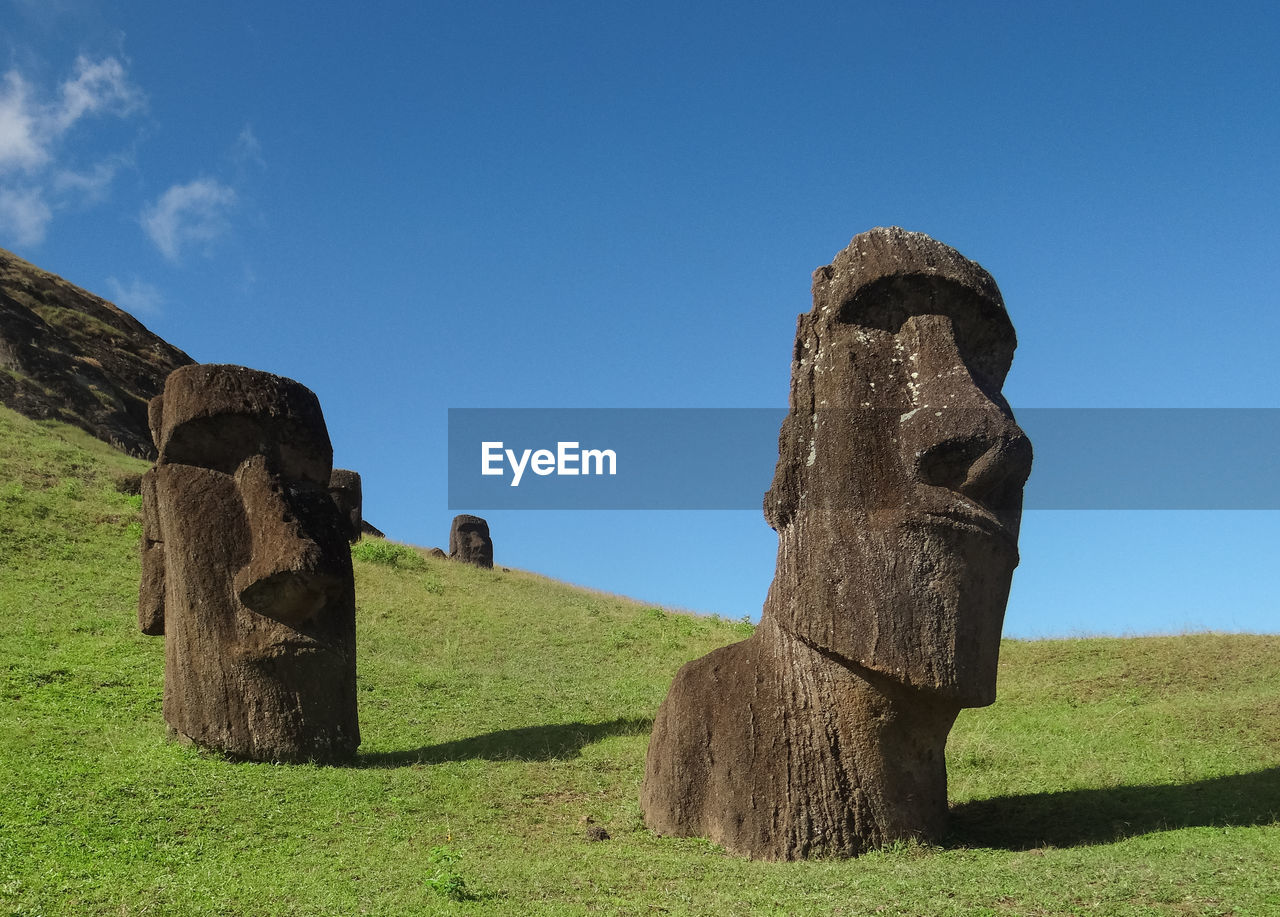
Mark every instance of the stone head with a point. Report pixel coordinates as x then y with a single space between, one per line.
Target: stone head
898 491
253 565
469 540
344 487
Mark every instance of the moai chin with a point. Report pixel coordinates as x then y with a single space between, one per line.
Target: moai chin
469 541
897 499
247 569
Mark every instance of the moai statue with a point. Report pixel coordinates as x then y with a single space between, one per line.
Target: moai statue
246 568
469 541
344 487
897 499
151 588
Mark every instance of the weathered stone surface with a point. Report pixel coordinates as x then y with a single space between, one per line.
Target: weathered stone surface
896 499
247 570
151 587
68 355
344 487
469 541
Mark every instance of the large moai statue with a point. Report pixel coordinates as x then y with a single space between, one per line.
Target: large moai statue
469 541
897 500
247 570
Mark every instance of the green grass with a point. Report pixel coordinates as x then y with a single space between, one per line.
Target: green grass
501 710
74 321
381 551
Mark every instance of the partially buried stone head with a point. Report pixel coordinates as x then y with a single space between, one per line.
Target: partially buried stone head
246 568
896 499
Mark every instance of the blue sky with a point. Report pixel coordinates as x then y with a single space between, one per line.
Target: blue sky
412 207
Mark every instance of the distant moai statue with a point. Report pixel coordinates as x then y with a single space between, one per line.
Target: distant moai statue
344 487
246 568
469 541
897 500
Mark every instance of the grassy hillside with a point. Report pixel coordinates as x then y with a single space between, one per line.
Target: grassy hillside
500 711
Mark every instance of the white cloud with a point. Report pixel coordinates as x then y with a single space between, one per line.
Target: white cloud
194 212
31 133
91 184
24 215
29 130
20 144
247 149
137 298
97 87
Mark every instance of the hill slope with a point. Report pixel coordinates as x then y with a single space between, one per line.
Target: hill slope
69 355
500 710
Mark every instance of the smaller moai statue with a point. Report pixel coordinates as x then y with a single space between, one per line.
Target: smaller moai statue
469 541
344 487
151 589
246 569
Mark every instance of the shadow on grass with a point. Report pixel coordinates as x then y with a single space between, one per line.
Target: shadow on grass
1077 817
529 743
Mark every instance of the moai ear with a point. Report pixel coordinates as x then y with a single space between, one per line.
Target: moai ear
155 419
151 586
795 437
784 493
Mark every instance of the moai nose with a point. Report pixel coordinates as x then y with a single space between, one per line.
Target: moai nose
300 548
978 452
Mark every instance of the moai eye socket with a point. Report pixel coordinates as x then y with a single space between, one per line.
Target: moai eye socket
984 335
215 417
223 442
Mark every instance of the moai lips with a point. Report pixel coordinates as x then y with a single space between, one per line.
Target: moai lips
896 499
257 598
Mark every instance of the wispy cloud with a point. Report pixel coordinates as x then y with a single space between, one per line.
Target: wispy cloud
20 143
137 297
24 215
247 150
194 212
32 130
91 184
98 87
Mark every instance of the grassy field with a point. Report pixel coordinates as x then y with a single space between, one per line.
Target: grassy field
504 713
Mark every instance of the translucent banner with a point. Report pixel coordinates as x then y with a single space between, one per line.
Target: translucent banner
724 458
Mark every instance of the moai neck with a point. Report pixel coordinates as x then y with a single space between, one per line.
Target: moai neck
868 752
